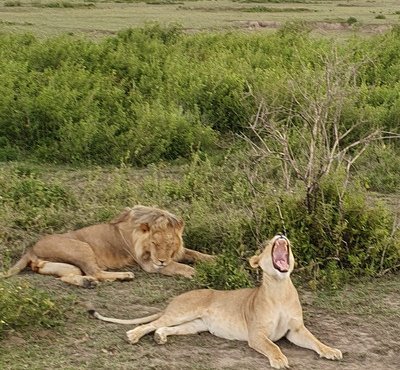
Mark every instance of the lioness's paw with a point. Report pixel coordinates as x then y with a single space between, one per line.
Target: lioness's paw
279 362
331 353
132 336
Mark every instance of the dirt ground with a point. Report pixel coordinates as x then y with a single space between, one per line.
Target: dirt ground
363 320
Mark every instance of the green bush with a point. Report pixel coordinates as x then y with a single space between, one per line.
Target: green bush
226 272
22 305
71 100
343 238
156 93
351 20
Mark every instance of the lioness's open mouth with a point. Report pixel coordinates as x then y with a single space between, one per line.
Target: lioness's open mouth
280 255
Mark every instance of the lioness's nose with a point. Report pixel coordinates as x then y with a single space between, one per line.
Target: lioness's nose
162 260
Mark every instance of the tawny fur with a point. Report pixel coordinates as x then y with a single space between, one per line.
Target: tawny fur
259 316
147 236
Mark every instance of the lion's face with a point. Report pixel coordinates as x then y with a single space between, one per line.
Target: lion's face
276 259
162 247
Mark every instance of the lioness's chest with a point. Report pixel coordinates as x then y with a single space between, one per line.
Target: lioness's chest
277 324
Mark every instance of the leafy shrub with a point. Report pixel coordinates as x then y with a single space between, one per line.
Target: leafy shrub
155 93
226 272
345 236
351 20
22 306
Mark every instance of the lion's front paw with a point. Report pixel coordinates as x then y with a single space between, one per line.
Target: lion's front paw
331 353
209 258
187 271
89 282
279 361
132 336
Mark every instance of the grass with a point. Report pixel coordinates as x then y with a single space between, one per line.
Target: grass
105 18
356 298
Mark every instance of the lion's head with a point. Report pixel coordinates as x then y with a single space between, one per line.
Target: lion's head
155 235
276 259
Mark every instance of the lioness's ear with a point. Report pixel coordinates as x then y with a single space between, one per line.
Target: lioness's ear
145 227
254 261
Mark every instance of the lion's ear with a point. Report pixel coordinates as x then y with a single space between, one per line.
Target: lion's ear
145 227
254 261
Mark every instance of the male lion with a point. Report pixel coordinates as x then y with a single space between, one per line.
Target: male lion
259 316
150 237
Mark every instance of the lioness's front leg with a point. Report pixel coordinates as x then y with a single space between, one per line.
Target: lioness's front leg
262 344
193 256
302 337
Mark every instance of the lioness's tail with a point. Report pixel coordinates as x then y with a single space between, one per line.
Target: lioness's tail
140 320
19 266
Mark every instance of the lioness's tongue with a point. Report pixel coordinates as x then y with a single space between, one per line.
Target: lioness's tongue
283 265
281 256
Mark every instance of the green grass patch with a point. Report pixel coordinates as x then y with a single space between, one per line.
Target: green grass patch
23 306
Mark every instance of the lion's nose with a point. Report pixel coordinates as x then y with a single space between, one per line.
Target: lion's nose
162 261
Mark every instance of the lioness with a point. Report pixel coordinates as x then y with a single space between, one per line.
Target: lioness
148 236
259 316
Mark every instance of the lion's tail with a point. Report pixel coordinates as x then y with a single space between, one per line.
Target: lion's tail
19 266
140 320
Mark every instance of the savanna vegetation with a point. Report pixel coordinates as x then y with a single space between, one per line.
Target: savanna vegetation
243 135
